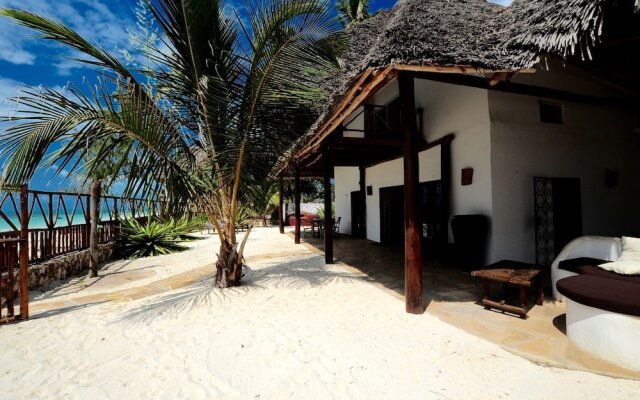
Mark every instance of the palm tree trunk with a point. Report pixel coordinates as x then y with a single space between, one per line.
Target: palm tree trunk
229 266
231 260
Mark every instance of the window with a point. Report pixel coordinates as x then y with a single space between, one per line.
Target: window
551 113
382 121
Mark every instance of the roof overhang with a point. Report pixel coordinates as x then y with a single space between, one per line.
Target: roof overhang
363 86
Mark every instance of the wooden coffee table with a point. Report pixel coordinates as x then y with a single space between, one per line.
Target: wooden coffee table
513 273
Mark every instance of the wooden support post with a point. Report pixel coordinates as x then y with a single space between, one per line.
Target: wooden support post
281 204
24 252
93 235
445 179
412 228
296 200
328 210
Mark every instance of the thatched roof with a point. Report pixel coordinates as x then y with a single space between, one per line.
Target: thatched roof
471 33
565 27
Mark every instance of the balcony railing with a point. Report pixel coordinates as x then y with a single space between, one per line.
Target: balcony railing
375 122
378 122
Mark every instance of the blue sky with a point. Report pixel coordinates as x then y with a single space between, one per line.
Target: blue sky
24 60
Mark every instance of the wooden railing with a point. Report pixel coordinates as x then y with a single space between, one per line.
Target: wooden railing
43 225
8 262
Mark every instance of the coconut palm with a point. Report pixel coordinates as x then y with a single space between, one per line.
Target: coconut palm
352 11
225 98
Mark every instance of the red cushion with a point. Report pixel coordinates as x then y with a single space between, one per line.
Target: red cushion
597 271
573 264
608 294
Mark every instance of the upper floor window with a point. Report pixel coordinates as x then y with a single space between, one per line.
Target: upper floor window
382 121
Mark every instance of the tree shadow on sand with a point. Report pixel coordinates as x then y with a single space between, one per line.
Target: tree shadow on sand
297 274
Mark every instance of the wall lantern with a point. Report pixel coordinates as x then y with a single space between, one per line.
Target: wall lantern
467 176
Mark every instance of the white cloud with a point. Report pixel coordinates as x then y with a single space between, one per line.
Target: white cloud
8 88
92 19
12 53
502 2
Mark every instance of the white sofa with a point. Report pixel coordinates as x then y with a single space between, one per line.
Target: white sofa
609 335
600 247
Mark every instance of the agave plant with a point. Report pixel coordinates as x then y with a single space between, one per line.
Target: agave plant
222 99
136 240
183 228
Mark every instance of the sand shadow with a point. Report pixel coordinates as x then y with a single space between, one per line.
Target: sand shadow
560 323
59 311
63 286
171 304
297 274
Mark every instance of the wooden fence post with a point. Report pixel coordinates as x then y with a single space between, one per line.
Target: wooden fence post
93 235
24 252
51 241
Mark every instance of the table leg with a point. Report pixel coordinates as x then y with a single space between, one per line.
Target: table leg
539 291
485 284
523 301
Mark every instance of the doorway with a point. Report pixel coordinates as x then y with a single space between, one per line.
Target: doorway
430 211
392 216
357 216
558 215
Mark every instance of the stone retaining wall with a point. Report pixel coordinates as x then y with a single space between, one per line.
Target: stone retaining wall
65 266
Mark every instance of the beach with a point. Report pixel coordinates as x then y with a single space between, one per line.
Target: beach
296 329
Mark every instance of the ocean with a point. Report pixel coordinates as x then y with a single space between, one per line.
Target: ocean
37 220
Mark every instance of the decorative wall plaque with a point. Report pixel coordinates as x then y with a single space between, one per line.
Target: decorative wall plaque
467 176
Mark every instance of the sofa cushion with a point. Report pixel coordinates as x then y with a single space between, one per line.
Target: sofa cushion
626 267
629 261
573 264
630 249
597 271
613 295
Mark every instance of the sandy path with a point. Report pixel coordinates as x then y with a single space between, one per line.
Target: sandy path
297 329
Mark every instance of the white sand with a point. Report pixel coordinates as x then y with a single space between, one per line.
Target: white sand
297 329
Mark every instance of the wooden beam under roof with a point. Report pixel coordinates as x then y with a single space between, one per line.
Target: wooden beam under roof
528 90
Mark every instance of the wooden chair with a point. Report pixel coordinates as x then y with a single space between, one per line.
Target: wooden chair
336 228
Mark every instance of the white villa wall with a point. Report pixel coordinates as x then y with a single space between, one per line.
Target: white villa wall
347 180
592 140
463 111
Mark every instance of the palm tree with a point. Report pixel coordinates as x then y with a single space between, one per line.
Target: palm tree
223 95
352 11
